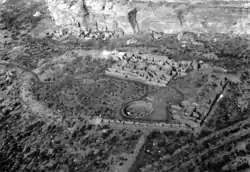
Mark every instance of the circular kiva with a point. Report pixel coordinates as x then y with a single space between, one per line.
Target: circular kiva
137 109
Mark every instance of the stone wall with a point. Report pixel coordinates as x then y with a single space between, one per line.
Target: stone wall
166 16
144 125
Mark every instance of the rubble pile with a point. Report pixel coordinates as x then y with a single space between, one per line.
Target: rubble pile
85 35
189 38
101 35
193 110
189 112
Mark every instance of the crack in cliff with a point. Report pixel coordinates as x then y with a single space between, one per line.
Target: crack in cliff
133 21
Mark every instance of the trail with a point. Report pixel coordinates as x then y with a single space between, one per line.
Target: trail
132 158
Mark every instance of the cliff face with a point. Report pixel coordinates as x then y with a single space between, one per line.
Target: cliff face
159 15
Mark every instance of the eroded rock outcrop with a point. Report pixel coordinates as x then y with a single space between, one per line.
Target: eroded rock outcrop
161 16
69 14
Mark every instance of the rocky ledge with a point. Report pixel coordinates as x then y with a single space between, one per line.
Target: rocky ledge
165 16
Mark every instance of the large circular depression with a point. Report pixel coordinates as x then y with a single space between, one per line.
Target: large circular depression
137 109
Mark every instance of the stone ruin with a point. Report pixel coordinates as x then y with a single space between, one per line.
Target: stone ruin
148 68
146 125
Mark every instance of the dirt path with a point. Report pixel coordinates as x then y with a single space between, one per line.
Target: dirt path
36 107
132 158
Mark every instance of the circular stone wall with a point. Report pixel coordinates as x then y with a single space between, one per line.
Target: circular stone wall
137 109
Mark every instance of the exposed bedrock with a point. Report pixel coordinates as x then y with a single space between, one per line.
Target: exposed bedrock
166 16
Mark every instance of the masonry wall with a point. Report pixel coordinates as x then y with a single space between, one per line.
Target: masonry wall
153 126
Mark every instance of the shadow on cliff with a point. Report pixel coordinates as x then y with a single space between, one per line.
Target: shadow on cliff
18 14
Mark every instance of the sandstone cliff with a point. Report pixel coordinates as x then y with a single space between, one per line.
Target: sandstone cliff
166 16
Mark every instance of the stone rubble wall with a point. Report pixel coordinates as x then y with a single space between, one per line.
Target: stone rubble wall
159 15
153 126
